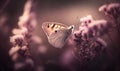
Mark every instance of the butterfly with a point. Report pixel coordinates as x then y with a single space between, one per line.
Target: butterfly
57 33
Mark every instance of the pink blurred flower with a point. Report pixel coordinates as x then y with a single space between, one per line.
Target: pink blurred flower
67 57
36 39
93 28
14 50
85 21
42 49
29 61
39 68
99 27
21 31
24 48
15 57
112 9
30 23
24 40
17 40
86 48
103 8
101 41
19 65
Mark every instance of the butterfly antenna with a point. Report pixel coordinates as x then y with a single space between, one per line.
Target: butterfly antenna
72 26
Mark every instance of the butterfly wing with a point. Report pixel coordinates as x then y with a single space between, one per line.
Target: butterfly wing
50 27
58 39
57 33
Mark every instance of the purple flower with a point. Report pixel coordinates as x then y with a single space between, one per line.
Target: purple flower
14 50
20 31
17 40
88 44
90 28
24 39
112 9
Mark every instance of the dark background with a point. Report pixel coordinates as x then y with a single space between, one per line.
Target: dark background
64 11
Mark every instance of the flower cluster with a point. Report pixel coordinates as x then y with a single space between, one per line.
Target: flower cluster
23 38
93 28
113 11
87 39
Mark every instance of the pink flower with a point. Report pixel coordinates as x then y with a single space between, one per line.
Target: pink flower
103 8
87 42
93 28
29 61
112 9
101 41
21 31
99 27
67 57
26 14
15 57
42 49
14 50
24 41
19 65
24 48
17 40
85 21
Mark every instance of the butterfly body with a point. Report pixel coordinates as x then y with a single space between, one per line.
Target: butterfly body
57 33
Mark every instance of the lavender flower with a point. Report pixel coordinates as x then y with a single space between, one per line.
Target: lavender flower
24 39
17 40
112 10
22 31
85 21
94 28
19 34
99 27
86 48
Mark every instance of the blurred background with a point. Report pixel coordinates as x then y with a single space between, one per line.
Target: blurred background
64 11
